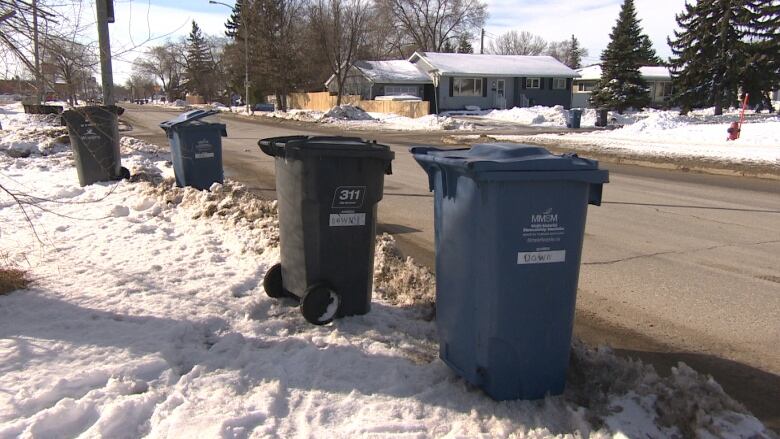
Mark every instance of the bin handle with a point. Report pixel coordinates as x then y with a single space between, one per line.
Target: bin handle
270 147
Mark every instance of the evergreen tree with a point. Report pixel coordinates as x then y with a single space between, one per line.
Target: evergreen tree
464 43
575 53
234 25
448 47
708 54
761 72
621 86
647 53
199 63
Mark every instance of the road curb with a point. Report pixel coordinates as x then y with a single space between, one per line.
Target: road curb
682 163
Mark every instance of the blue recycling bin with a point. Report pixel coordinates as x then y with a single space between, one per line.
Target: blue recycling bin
196 148
573 118
509 224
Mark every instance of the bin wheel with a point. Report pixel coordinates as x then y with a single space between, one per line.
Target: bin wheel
272 282
124 173
320 304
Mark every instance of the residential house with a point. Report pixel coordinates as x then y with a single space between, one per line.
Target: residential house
495 81
658 79
370 79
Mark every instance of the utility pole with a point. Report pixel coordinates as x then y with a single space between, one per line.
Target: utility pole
106 74
38 73
482 42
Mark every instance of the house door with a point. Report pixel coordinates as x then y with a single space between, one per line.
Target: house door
499 100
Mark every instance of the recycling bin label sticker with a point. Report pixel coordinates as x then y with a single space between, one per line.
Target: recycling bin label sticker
542 257
347 219
349 197
204 149
543 228
90 134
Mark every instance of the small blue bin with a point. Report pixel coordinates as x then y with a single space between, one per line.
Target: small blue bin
573 118
509 224
196 148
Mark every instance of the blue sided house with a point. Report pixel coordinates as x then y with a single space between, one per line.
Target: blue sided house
496 81
458 81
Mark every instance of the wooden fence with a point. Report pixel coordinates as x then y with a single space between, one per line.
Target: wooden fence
323 101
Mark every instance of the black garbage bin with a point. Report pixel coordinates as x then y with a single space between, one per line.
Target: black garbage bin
327 190
601 117
94 138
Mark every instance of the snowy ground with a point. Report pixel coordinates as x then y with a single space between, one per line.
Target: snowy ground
147 318
699 135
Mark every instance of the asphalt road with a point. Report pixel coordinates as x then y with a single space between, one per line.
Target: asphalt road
676 266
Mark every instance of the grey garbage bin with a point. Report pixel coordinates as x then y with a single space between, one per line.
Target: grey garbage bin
327 190
94 138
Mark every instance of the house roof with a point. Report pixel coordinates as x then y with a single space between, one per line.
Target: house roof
464 64
392 72
593 73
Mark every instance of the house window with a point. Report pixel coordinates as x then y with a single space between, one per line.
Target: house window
532 82
585 87
664 89
559 83
467 86
398 90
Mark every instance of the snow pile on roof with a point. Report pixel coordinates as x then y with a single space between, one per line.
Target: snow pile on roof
668 134
593 73
463 64
348 112
147 318
392 72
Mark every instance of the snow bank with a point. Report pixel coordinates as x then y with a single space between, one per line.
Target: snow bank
667 134
544 116
347 112
147 318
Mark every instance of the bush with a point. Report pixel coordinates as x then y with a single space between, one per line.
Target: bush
12 279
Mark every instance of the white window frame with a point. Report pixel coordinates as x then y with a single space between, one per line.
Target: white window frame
529 82
460 91
557 83
584 87
661 89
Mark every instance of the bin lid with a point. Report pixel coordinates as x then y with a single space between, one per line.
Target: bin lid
190 117
325 145
496 157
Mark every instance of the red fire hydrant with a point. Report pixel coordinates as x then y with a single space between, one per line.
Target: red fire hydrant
733 131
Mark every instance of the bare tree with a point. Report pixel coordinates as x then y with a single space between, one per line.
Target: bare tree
430 23
517 43
141 84
568 52
72 62
166 64
340 27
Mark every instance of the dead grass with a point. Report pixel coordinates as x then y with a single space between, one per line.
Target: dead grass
12 279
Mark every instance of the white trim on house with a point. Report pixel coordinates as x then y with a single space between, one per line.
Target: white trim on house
467 64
